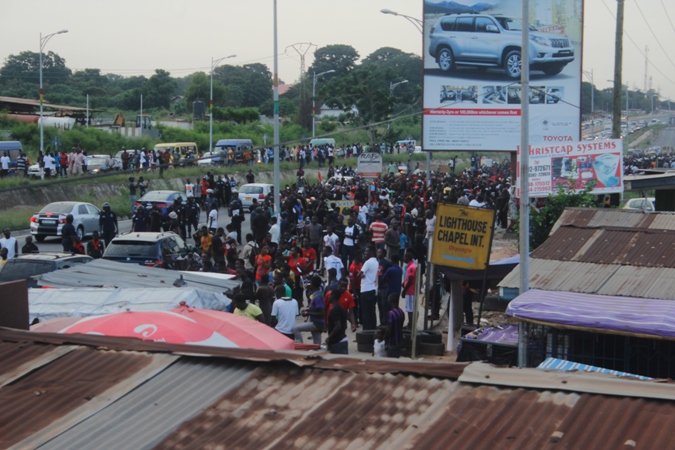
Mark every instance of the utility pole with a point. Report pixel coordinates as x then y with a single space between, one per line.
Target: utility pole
618 54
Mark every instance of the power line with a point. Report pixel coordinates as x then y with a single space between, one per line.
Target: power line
654 34
637 47
668 16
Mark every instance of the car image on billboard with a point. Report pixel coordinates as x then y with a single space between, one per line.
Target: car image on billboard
472 69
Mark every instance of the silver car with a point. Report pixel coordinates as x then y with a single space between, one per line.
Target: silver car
484 41
50 220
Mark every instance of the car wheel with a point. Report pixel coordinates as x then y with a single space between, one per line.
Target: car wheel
80 232
39 238
446 60
553 70
512 64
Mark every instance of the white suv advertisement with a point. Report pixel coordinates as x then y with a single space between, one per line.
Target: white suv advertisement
472 69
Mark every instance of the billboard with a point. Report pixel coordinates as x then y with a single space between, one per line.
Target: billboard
472 92
574 165
369 165
462 236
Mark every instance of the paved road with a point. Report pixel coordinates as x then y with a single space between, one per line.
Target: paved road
53 244
666 138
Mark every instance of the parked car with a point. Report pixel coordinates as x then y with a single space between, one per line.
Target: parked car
212 159
642 204
163 199
484 41
102 163
35 171
166 250
26 267
50 219
250 191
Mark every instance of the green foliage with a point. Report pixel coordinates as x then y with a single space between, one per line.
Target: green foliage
340 58
239 115
159 90
247 86
327 126
543 219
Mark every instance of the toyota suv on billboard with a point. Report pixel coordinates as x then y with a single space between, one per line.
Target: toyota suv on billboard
485 40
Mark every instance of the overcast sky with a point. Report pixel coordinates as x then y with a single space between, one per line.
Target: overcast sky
136 37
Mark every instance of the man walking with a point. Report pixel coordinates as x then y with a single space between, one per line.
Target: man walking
107 223
368 275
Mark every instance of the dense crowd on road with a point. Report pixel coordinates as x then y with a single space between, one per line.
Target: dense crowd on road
348 245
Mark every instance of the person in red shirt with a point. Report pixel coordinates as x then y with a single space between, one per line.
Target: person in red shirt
355 283
263 263
309 254
297 265
346 301
204 186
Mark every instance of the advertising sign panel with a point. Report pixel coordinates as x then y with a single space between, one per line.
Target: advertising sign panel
574 165
472 92
462 236
370 165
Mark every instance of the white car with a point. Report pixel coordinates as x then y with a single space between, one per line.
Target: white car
211 159
251 191
641 204
35 171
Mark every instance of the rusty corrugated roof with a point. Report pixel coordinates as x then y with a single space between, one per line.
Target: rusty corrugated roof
605 251
281 404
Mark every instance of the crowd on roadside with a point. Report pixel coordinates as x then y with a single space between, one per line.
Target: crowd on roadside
351 242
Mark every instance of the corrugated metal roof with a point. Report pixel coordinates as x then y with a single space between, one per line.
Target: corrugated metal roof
101 272
565 244
217 402
150 412
49 394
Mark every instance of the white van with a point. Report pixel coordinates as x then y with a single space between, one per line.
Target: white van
324 141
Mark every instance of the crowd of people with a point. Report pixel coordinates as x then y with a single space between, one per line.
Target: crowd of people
342 253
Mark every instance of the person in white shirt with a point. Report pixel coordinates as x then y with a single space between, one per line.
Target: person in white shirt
189 189
330 261
9 243
331 240
50 165
478 202
368 297
213 218
284 311
275 230
4 164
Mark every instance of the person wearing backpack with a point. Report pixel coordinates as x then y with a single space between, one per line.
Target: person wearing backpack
249 252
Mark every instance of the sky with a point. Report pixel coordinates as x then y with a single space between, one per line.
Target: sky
136 37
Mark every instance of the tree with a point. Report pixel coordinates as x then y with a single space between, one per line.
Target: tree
340 58
247 86
364 96
26 67
200 90
159 90
543 219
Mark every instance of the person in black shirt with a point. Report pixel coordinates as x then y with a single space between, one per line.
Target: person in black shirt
192 213
132 192
250 178
337 325
30 247
107 223
67 232
220 191
140 220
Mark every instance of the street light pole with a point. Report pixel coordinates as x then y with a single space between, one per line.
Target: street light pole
314 99
417 23
43 42
214 64
275 85
392 86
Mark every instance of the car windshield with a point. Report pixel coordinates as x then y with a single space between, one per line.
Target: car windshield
18 269
251 189
509 23
58 208
131 248
156 196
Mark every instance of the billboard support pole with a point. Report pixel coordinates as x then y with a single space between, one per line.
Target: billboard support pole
524 170
483 288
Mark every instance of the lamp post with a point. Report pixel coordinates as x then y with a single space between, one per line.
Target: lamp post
214 64
43 42
314 99
590 77
392 86
417 23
